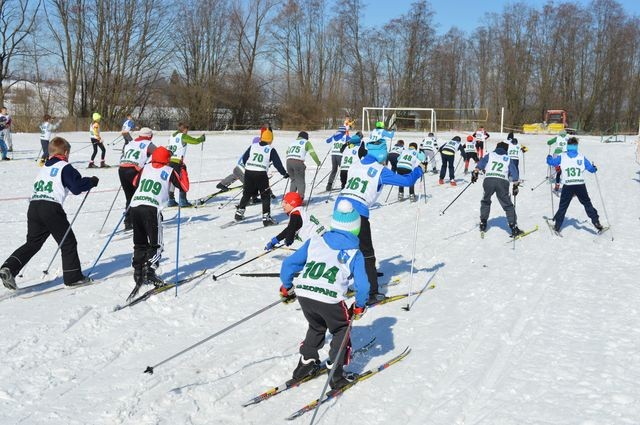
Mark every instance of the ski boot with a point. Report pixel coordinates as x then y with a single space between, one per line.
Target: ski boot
515 231
84 280
340 378
183 201
453 183
376 298
172 200
267 220
7 278
239 216
598 226
306 367
91 165
222 187
433 170
151 278
104 165
440 181
400 196
413 198
483 225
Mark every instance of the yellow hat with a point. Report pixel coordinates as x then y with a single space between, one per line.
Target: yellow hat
96 116
267 136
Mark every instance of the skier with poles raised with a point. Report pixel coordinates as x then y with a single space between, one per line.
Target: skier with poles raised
151 196
256 181
329 262
46 216
296 154
133 159
365 181
499 169
178 146
573 165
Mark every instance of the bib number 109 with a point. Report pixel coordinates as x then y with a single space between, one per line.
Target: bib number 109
148 185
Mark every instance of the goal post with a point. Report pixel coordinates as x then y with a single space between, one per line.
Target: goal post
402 118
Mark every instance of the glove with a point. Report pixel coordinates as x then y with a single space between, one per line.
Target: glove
525 149
94 181
202 138
286 175
287 296
474 175
357 312
514 189
594 167
271 244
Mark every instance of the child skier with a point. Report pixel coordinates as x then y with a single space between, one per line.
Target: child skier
469 153
45 135
3 146
337 141
329 262
560 142
409 159
301 224
481 136
96 141
380 133
133 159
394 153
178 147
46 216
237 173
127 127
500 170
448 155
573 166
350 152
151 196
296 168
428 147
256 181
515 151
365 181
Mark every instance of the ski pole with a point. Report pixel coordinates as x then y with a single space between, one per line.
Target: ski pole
388 194
150 369
424 188
312 185
214 277
110 208
114 141
413 258
336 362
546 179
200 173
604 208
454 199
104 248
231 200
456 168
178 250
46 272
515 198
322 179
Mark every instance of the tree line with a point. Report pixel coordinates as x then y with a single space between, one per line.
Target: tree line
301 63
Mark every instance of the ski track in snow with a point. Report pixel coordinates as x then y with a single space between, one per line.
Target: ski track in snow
546 333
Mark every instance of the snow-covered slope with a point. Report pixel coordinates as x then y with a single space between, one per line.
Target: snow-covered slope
543 332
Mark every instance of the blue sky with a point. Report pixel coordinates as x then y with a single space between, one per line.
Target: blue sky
464 14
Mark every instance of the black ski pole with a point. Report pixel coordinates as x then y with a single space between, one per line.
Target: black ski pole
454 199
214 277
312 187
150 369
110 208
104 248
540 184
46 272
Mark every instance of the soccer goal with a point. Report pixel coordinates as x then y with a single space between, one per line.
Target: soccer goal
401 119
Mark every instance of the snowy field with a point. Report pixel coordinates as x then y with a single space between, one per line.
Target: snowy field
543 332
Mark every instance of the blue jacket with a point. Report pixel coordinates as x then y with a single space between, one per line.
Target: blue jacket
71 178
514 175
337 240
338 136
554 162
386 177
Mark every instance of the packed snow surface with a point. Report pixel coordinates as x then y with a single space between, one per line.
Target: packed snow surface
543 331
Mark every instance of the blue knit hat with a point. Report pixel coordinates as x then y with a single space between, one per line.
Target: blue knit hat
346 218
378 150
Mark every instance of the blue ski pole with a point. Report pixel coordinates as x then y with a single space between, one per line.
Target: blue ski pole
104 248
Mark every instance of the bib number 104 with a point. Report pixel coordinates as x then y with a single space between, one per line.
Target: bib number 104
316 270
357 184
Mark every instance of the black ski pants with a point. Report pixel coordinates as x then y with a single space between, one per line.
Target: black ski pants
343 178
369 254
147 236
46 218
567 194
127 174
412 188
447 162
95 143
256 182
393 160
322 317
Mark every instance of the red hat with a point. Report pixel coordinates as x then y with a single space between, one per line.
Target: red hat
469 138
161 155
293 199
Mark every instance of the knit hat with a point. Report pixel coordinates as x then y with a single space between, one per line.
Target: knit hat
145 132
161 155
355 140
346 218
267 136
303 135
378 150
469 138
96 116
292 198
502 145
456 138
